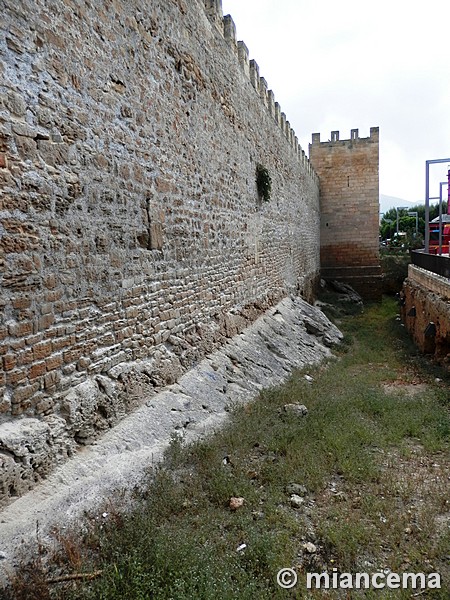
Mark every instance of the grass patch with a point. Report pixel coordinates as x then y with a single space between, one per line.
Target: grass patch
372 455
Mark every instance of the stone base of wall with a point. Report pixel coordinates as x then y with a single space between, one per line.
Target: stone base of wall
425 311
290 335
367 281
31 447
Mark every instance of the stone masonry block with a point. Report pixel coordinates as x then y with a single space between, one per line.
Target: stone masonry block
137 199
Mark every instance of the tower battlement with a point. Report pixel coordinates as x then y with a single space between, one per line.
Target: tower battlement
354 138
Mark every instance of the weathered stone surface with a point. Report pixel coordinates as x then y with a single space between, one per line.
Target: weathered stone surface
88 410
296 488
261 356
192 407
310 548
346 292
295 410
297 501
16 104
130 219
29 450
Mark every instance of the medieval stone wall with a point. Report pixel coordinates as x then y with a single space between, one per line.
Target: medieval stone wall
349 209
132 237
425 311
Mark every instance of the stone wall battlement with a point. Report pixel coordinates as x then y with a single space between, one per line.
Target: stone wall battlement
335 140
227 28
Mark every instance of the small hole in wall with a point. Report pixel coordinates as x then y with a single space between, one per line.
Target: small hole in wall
326 224
348 181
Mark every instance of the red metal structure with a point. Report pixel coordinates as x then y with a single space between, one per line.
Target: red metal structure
439 244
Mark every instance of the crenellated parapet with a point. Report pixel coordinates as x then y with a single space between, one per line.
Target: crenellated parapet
354 138
227 28
214 12
254 74
229 32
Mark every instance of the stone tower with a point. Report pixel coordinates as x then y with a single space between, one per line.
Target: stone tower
349 208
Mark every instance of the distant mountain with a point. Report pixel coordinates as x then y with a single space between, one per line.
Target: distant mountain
387 202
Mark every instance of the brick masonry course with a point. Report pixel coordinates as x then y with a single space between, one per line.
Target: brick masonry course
132 238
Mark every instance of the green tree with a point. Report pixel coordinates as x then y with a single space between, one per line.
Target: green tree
407 223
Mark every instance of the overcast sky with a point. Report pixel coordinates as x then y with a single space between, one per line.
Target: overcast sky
350 64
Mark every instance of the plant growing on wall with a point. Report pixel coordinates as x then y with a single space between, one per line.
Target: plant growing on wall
263 182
